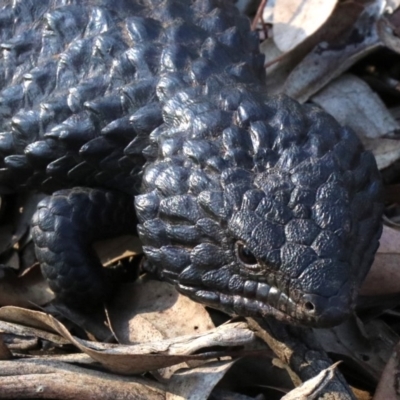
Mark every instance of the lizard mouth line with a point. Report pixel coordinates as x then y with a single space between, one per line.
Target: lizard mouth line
256 299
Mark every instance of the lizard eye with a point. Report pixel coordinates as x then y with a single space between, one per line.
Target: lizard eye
245 255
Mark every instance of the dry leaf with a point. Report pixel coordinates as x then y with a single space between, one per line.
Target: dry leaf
353 103
296 20
279 64
143 312
141 357
327 61
22 330
149 310
384 275
197 383
313 388
388 385
113 250
386 151
268 12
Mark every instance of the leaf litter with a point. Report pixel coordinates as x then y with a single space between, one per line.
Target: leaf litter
151 342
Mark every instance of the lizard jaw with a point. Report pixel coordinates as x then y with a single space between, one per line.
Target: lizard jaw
269 301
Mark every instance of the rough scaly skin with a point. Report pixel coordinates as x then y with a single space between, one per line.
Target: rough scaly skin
249 203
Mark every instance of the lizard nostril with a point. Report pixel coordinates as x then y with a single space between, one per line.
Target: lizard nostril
309 306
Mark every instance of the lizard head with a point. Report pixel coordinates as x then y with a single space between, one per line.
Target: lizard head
275 217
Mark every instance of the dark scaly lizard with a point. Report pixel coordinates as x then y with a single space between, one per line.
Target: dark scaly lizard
250 203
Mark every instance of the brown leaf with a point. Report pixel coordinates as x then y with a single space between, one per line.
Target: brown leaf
384 276
143 312
148 356
113 250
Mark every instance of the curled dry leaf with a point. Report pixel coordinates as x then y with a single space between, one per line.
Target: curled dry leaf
27 331
352 102
50 378
389 29
280 65
388 384
294 20
197 383
384 276
315 387
328 60
142 357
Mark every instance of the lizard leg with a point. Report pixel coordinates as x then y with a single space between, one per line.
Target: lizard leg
64 228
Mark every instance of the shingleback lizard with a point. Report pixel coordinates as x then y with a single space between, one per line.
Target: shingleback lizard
152 116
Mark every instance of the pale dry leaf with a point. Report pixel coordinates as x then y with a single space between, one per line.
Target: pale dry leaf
315 387
296 20
353 103
148 310
328 61
21 330
388 384
392 5
386 151
268 12
384 275
279 65
143 357
197 383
